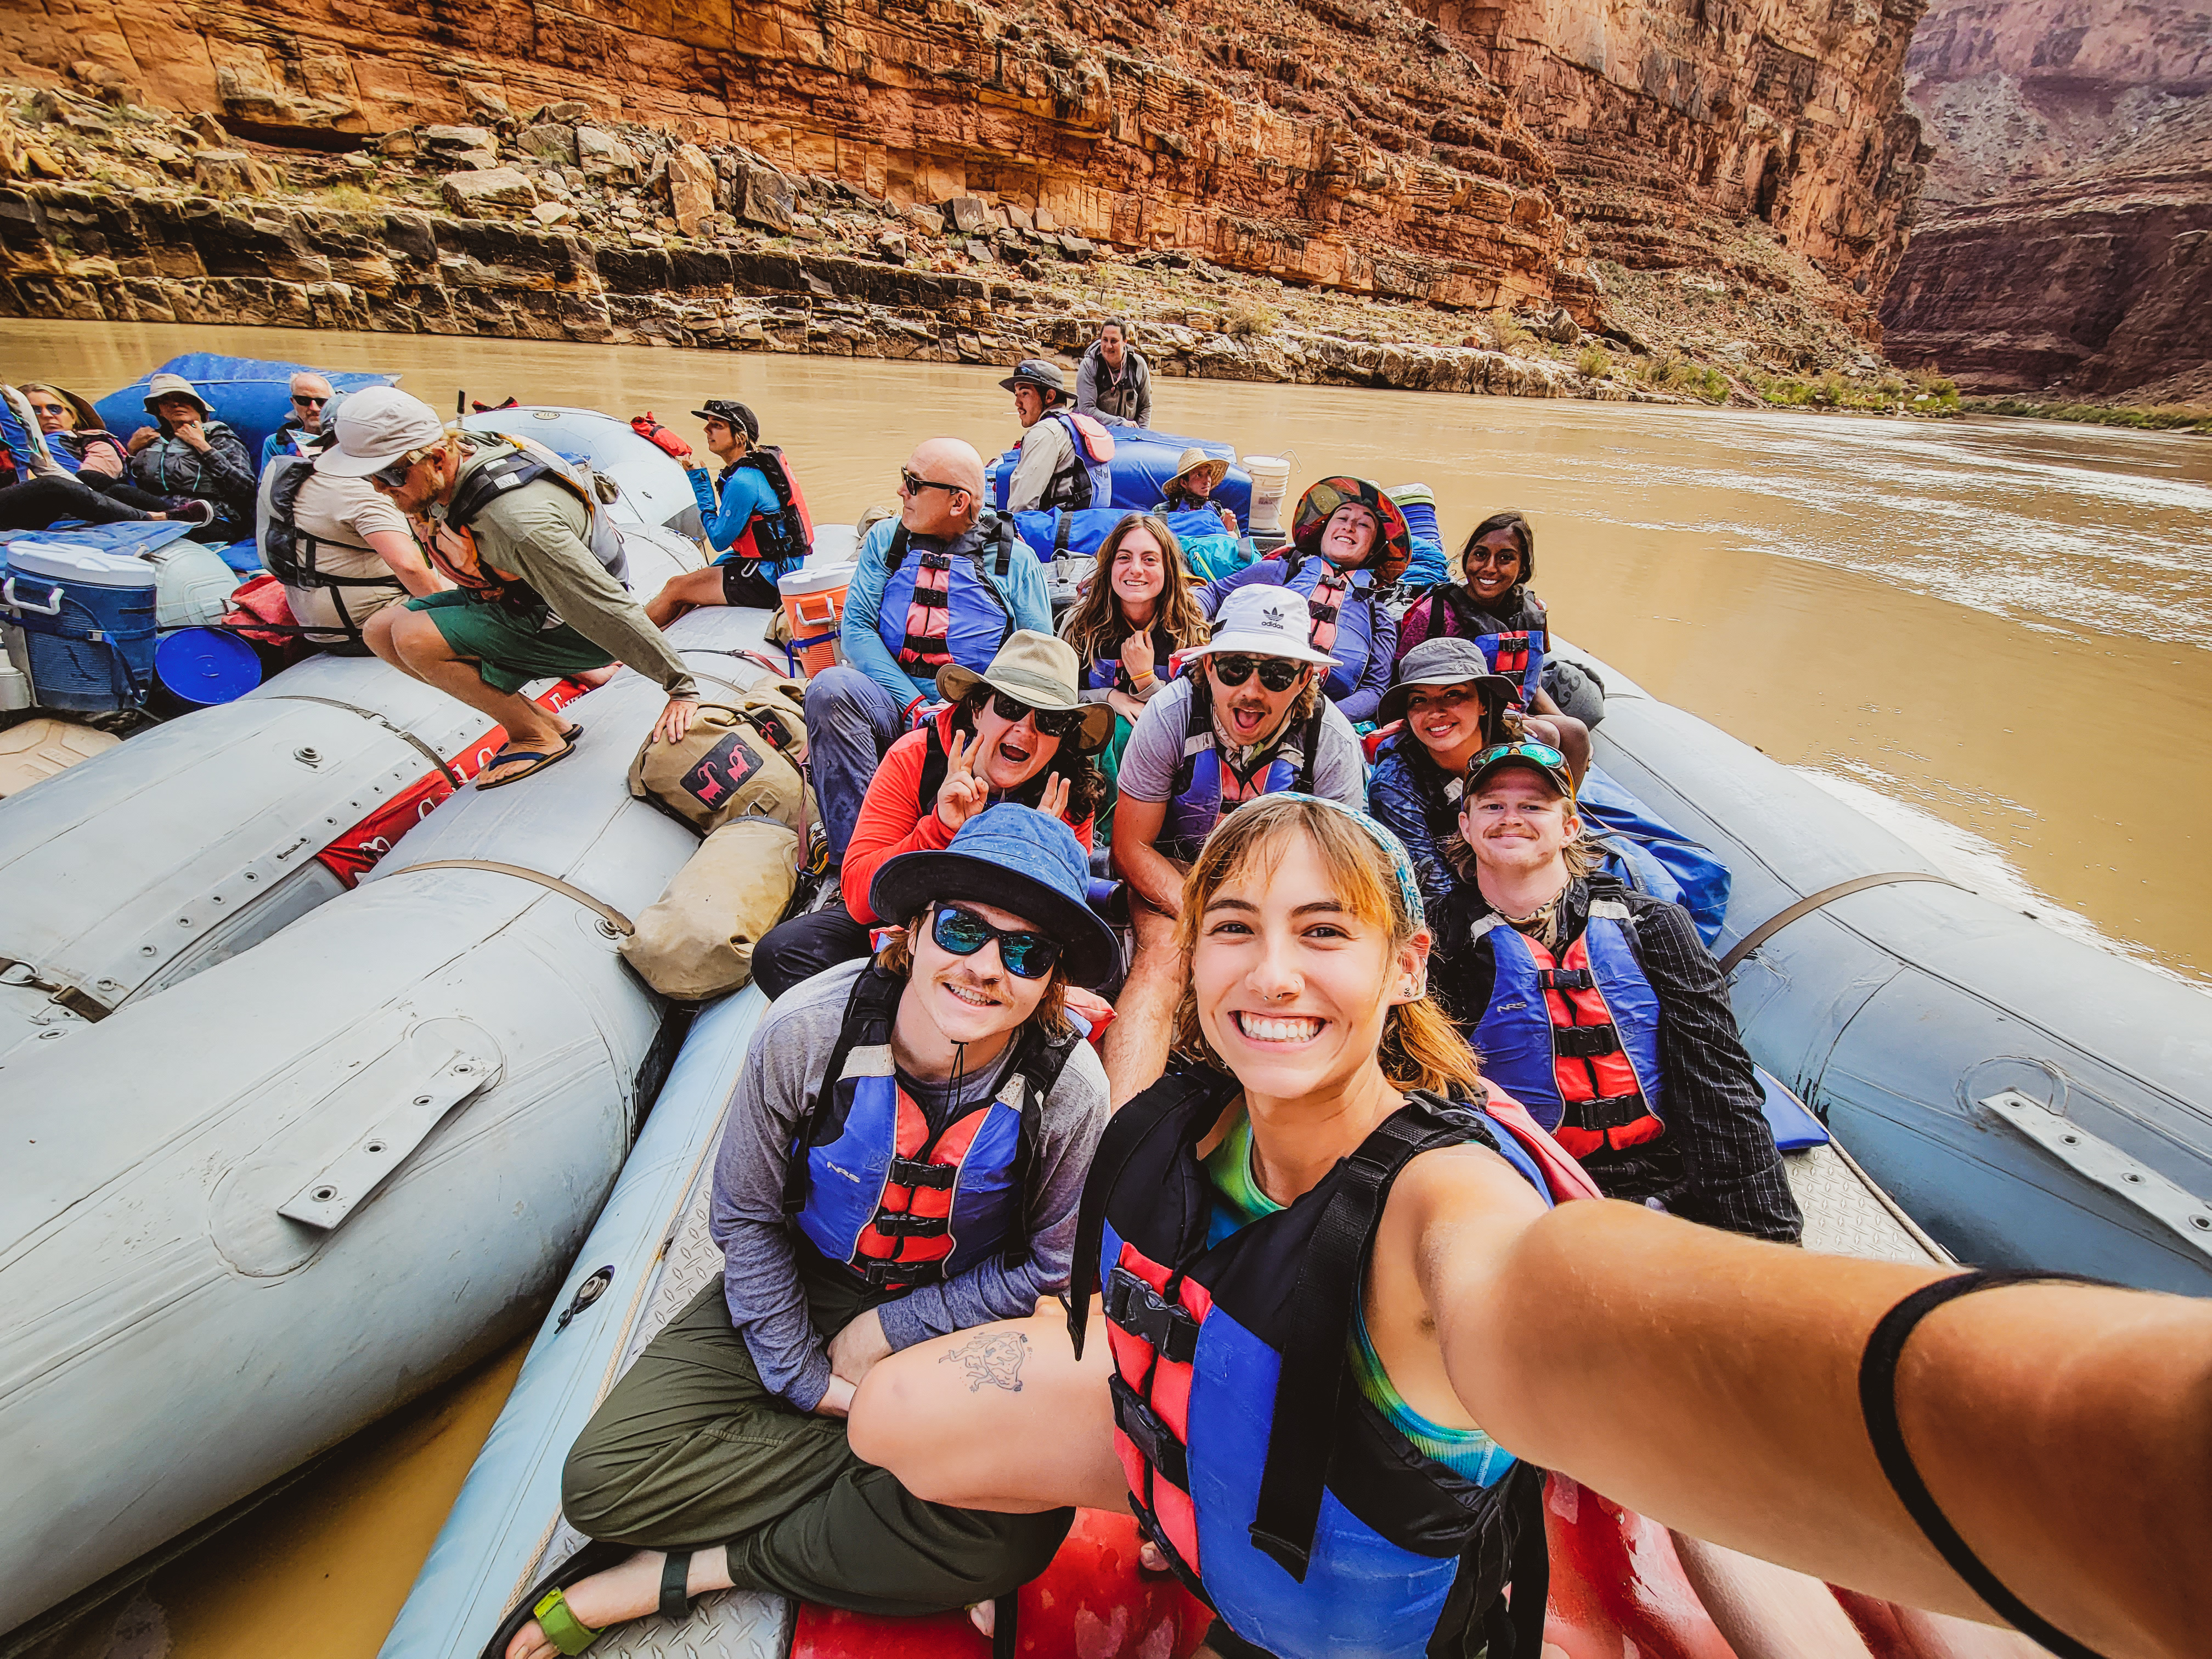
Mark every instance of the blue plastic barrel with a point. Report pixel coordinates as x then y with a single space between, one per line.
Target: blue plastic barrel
204 666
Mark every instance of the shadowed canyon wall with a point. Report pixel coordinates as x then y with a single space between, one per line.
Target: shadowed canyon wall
1472 156
2066 245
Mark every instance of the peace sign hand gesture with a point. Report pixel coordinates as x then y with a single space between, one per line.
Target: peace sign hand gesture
1055 802
962 794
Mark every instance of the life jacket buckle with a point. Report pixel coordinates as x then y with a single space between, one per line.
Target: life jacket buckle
1155 1442
1565 979
899 1274
1585 1041
912 1172
913 1226
1607 1112
1166 1327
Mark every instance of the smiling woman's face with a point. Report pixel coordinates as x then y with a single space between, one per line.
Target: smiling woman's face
1292 988
1349 535
1140 571
1493 564
1009 753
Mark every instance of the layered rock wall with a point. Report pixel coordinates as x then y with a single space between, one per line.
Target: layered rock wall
1357 145
2065 249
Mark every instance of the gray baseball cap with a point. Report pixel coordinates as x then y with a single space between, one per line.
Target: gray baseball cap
1044 376
374 427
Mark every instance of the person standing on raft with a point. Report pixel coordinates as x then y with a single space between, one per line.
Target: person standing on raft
536 565
905 1151
1316 1077
760 525
1599 1009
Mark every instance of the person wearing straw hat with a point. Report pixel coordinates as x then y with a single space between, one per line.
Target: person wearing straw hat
1197 476
1349 545
1019 730
907 1143
188 452
1652 1092
1245 719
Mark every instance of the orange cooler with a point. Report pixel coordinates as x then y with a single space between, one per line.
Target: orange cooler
814 601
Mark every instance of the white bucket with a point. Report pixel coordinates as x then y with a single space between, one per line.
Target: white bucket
1271 483
194 586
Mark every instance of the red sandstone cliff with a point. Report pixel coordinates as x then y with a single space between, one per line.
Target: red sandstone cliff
1471 157
2069 202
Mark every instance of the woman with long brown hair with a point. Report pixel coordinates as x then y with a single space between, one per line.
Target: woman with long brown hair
1138 609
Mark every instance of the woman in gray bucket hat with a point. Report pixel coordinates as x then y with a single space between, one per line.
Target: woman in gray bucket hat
189 453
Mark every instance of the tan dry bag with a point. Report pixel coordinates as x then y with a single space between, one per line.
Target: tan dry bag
696 940
741 758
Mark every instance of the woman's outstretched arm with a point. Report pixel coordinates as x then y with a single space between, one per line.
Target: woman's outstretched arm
1711 1383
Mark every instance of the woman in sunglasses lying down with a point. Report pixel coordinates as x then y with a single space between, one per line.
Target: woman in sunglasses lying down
904 1156
1017 732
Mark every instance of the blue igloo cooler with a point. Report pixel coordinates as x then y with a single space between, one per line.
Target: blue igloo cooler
87 622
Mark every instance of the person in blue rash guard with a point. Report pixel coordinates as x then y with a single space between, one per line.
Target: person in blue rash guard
1348 545
754 514
947 581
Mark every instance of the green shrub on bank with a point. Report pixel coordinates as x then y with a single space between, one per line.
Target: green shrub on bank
2145 420
1594 361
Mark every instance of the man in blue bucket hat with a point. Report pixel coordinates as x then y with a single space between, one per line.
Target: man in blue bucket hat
904 1159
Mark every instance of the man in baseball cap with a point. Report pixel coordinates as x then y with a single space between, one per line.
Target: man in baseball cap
1247 718
537 568
1064 455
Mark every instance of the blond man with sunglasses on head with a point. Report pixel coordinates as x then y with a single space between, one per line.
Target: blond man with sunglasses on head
537 572
1247 720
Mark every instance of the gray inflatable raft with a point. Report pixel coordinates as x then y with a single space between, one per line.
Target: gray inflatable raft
248 1216
2030 1100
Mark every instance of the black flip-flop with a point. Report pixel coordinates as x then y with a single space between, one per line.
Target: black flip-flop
594 1557
539 759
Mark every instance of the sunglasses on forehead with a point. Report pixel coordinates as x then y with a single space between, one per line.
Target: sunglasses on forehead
1276 673
1026 955
1050 722
1540 754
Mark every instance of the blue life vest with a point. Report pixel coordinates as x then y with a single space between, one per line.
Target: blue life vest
870 1187
1105 675
1278 1492
1575 1040
1346 629
1206 790
1515 643
941 607
1086 477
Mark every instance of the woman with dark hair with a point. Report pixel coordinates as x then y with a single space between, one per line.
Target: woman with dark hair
1491 605
1017 732
1137 610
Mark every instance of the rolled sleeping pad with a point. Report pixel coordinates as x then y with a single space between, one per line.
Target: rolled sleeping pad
201 837
2030 1100
1080 532
1657 857
253 396
1429 564
1143 463
324 1176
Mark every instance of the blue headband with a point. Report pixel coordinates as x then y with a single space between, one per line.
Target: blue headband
1401 863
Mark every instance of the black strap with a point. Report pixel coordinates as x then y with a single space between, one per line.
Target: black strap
1006 1620
479 489
1878 1405
1039 1068
868 1006
1584 1041
1312 1382
1311 741
675 1576
1609 1112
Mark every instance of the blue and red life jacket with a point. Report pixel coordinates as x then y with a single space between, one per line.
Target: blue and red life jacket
1340 607
1278 1493
1575 1039
872 1187
942 607
1514 641
1086 477
1104 674
780 540
1207 789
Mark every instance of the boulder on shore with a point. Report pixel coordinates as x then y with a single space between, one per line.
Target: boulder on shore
494 193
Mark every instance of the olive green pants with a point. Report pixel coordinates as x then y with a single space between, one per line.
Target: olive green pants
690 1450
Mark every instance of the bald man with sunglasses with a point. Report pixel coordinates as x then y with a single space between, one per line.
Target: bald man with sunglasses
1246 720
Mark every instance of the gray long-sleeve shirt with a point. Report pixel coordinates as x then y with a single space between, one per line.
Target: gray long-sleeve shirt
783 1071
1119 399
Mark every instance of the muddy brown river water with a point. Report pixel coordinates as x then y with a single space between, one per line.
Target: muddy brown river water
1996 635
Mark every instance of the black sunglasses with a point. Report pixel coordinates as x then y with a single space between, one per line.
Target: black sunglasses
914 485
392 476
1276 673
1026 955
304 402
1050 722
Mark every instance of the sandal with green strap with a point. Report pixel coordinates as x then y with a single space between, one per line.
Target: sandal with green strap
548 1604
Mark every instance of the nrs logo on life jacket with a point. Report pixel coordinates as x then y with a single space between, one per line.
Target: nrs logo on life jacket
1276 1490
512 464
932 614
1575 1039
870 1186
